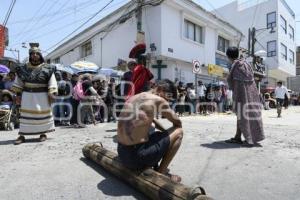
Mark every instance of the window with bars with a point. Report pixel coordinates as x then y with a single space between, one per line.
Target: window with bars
291 32
271 20
223 44
292 56
57 60
283 24
193 32
283 51
86 49
271 48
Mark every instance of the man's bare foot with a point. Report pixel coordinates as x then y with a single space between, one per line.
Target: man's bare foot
20 140
174 177
43 138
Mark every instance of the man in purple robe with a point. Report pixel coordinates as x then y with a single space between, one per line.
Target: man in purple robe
246 102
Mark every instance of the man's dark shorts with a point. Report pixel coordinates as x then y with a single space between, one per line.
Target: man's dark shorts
279 101
146 154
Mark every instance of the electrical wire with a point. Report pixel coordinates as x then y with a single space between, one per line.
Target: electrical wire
117 21
32 27
9 12
81 25
153 3
50 15
66 25
214 9
254 16
107 28
60 18
19 34
47 21
127 14
56 30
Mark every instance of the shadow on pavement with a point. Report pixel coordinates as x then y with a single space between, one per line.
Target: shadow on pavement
7 142
224 145
115 138
112 186
111 131
32 140
221 145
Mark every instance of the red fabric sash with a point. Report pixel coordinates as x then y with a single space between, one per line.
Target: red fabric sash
141 76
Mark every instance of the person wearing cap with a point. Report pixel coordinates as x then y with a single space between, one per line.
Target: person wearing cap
35 82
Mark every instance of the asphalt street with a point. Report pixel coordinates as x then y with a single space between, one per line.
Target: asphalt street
56 169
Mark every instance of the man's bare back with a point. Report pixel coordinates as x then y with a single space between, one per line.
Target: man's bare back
136 118
138 145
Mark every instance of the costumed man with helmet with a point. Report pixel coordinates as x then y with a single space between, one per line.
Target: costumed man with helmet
141 76
36 83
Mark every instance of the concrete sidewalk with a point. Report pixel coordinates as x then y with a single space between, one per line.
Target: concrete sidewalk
56 168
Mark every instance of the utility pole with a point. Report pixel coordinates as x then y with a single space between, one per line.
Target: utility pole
249 41
139 15
253 41
140 35
15 50
251 52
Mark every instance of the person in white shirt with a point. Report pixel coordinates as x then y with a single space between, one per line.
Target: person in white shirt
201 90
191 94
280 93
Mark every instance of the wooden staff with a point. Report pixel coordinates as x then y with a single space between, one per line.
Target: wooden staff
151 183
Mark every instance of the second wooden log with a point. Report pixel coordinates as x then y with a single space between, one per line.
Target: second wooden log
153 184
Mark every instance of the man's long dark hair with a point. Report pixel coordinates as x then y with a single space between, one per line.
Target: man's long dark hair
232 53
167 86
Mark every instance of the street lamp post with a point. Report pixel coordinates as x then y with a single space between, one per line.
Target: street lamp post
252 38
251 48
14 50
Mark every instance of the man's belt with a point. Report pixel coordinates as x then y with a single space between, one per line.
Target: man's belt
40 89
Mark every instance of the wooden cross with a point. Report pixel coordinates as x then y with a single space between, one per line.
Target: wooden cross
159 66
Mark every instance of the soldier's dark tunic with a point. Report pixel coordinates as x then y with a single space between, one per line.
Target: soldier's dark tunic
35 83
246 101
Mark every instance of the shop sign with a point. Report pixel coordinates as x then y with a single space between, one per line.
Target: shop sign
215 70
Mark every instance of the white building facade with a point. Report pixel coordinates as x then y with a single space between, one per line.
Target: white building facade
179 31
274 22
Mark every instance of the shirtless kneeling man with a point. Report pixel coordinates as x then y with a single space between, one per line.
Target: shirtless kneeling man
139 145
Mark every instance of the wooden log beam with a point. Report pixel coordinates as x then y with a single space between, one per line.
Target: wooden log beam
153 184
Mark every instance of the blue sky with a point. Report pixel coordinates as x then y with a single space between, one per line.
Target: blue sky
49 21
